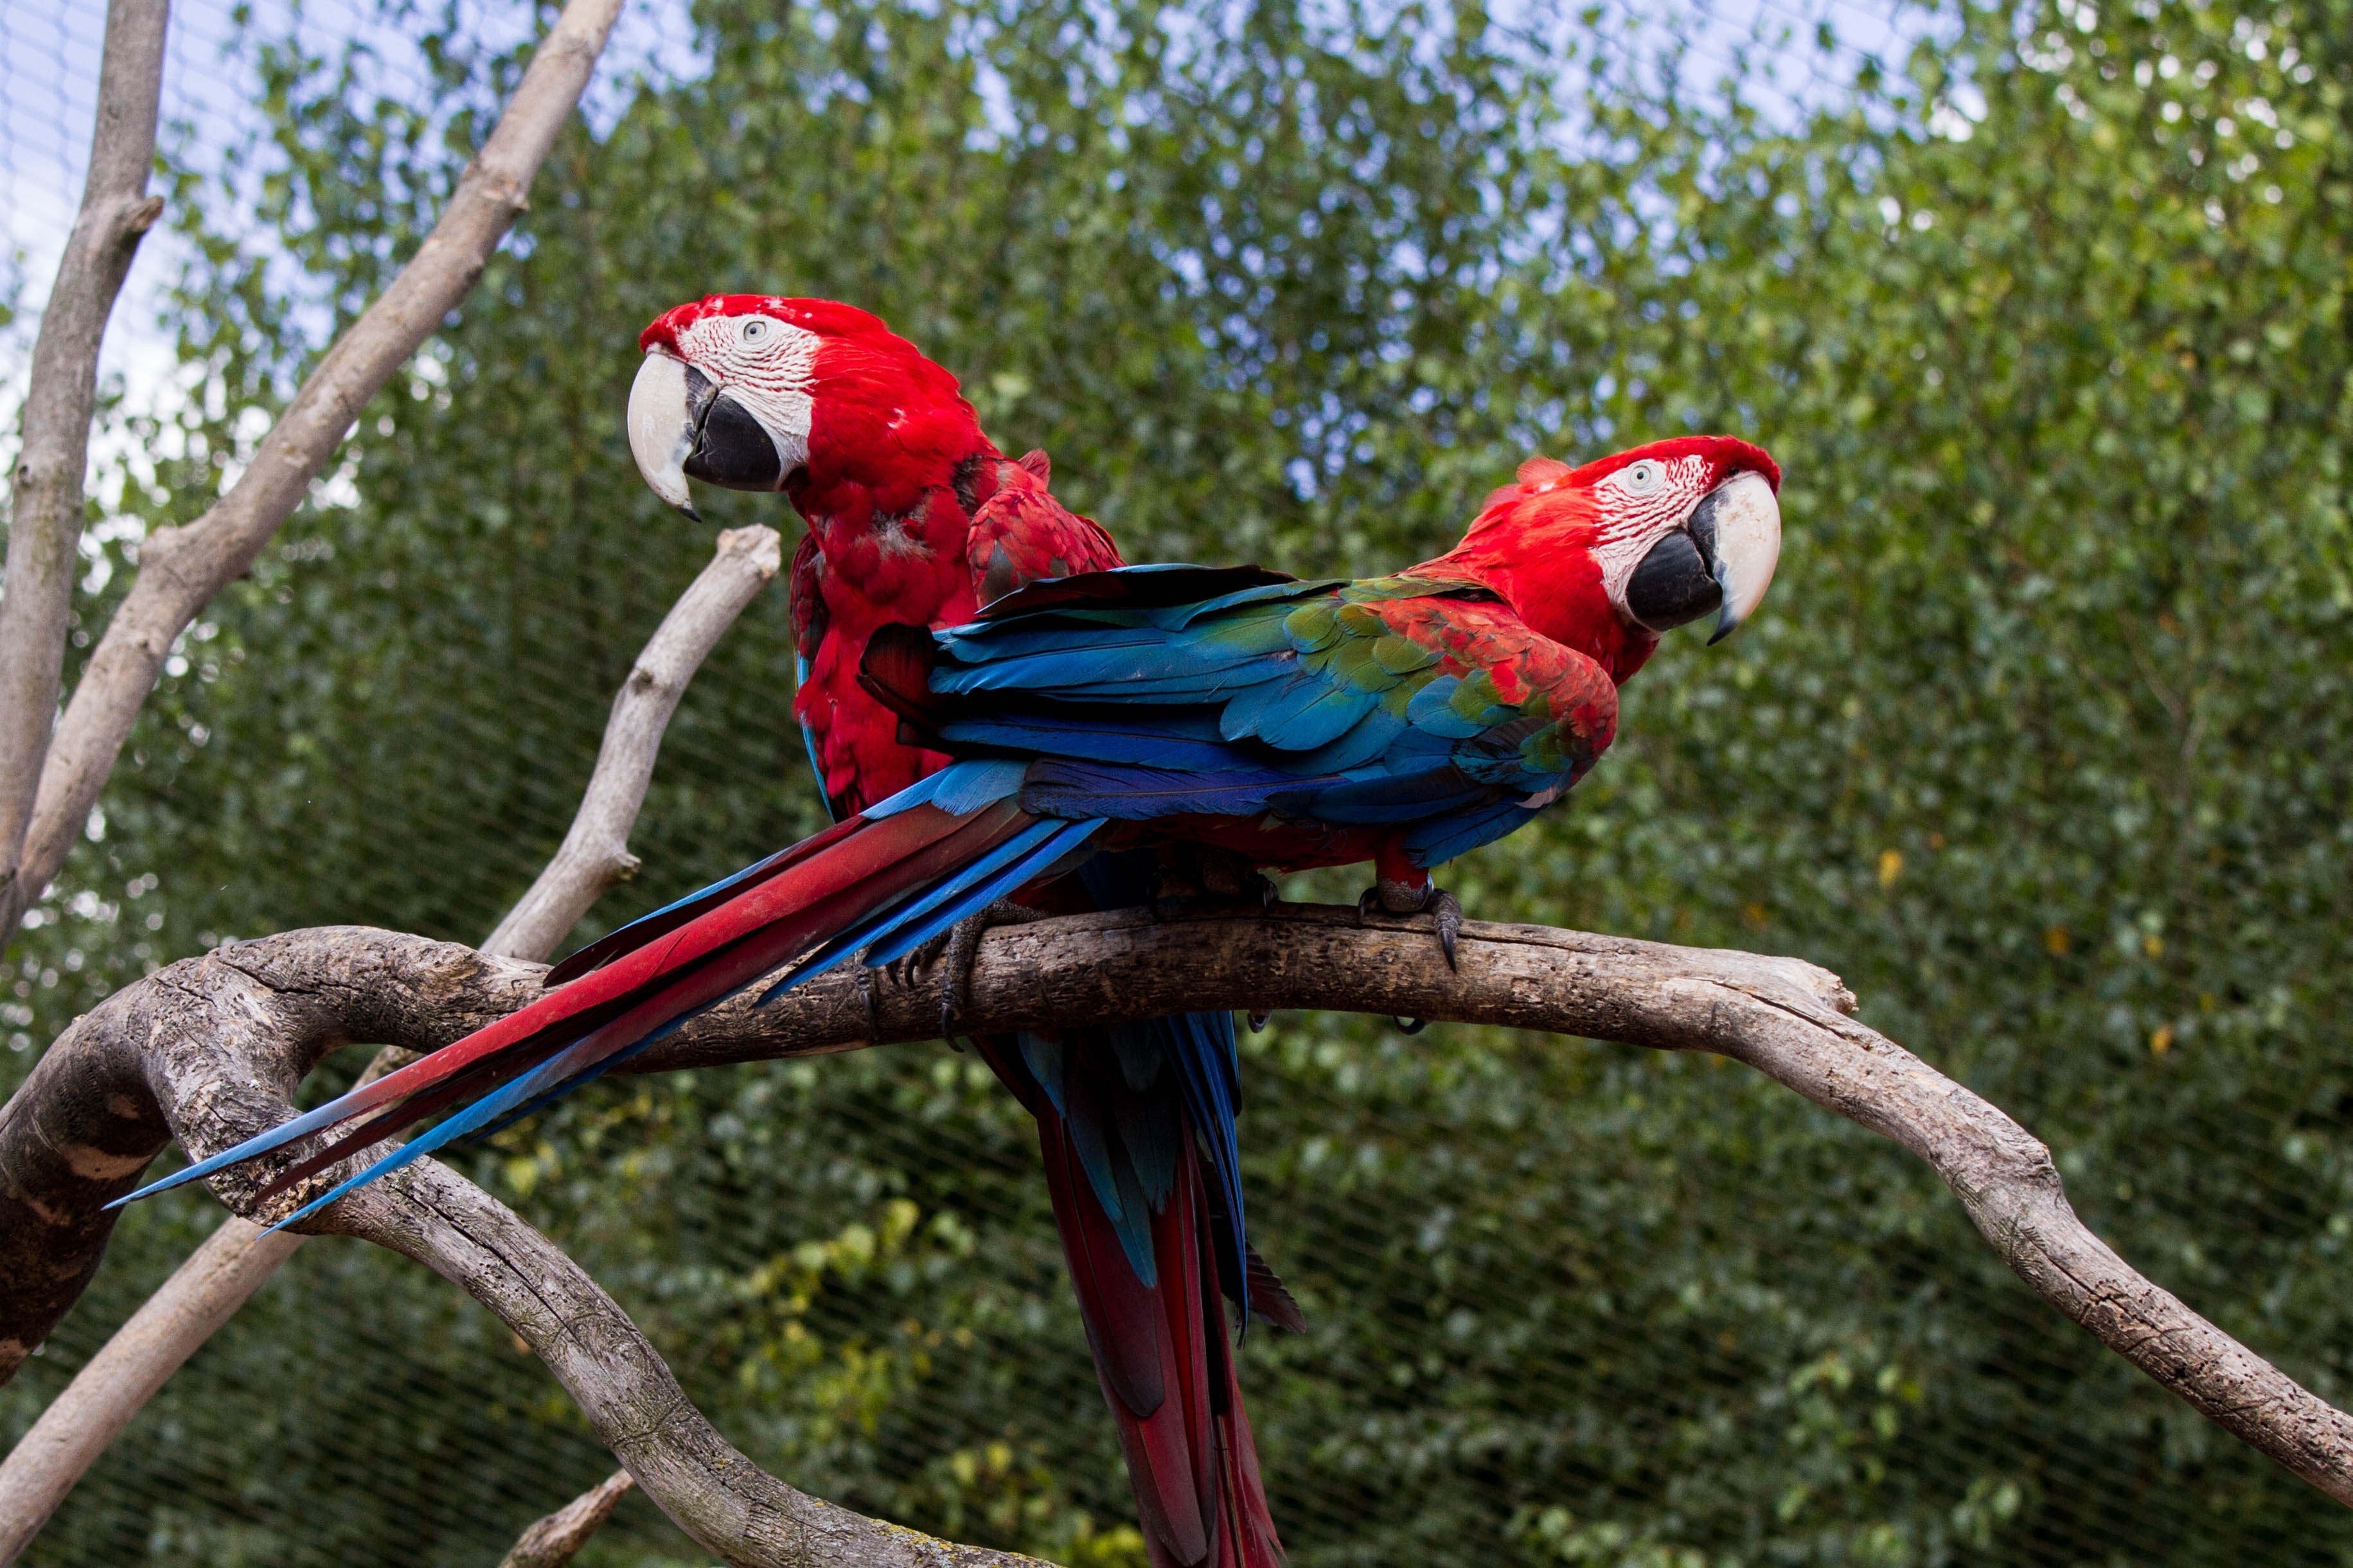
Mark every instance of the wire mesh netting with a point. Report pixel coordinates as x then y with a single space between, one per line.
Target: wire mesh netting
2032 744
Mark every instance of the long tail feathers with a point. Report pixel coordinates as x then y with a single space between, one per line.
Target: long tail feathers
886 882
1160 1344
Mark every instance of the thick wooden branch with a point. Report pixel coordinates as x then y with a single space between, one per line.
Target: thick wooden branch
235 1262
208 1050
180 568
595 853
45 507
551 1542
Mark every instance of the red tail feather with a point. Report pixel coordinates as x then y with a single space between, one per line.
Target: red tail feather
1163 1358
815 890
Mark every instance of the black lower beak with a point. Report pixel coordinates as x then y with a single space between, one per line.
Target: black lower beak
1674 584
730 447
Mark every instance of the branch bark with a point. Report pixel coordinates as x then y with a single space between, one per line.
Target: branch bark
180 568
551 1541
208 1050
45 507
235 1262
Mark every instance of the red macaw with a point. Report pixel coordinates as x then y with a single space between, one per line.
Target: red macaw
915 518
1109 713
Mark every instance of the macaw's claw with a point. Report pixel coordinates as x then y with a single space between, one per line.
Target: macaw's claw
1444 909
1446 912
958 947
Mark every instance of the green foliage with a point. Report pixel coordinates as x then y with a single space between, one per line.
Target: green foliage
2038 742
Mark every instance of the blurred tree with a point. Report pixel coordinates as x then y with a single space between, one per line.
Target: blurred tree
2039 744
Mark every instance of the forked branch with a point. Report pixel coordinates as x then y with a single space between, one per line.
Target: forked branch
236 1258
180 568
45 505
209 1050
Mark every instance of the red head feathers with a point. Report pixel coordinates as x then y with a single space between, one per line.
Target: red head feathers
1605 557
760 392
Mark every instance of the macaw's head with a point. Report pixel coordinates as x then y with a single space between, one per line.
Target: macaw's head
757 392
1606 557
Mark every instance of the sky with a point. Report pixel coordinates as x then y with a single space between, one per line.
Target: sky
49 52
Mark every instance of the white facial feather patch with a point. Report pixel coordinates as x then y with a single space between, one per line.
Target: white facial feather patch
1637 508
767 366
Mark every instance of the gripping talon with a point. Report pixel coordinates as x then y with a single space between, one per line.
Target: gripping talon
1446 912
1404 898
956 951
956 976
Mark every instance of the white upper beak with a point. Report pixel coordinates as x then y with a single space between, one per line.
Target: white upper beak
1747 546
661 433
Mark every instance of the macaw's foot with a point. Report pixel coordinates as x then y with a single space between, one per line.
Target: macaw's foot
957 947
1403 898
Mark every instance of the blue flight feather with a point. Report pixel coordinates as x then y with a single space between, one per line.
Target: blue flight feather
896 945
1141 747
1069 788
1401 798
881 925
1437 841
809 741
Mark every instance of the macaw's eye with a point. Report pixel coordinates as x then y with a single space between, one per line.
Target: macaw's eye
756 329
1643 477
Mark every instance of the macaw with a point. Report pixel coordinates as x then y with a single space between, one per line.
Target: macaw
915 518
1091 716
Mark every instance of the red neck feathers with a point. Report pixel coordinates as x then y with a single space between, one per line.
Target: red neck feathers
897 464
1534 543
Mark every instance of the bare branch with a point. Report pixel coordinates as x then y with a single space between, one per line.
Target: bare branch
206 1291
220 1040
44 509
724 1503
209 1050
551 1541
180 568
595 853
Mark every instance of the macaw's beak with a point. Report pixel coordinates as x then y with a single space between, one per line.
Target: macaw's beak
1720 560
683 425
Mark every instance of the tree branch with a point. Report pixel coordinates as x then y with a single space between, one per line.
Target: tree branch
221 1275
180 568
44 508
595 852
209 1050
551 1541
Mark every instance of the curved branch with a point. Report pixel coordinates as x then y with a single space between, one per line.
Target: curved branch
212 1047
208 1050
180 568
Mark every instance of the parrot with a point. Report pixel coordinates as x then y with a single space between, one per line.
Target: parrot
915 517
1055 718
